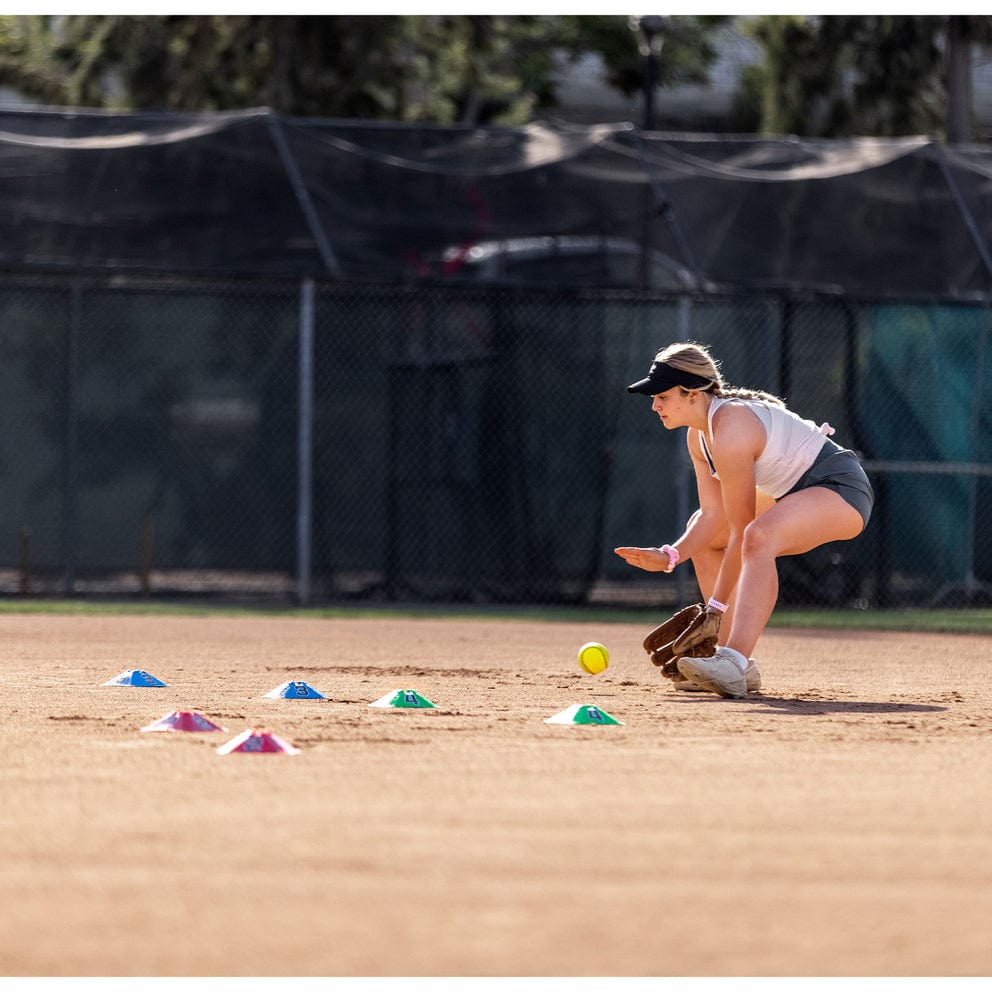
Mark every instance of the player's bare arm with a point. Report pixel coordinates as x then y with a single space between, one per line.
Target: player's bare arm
738 439
705 528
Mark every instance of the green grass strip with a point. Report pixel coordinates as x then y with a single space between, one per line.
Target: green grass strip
963 621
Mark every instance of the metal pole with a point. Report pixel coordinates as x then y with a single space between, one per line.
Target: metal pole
650 37
650 81
966 215
303 198
304 496
70 478
683 468
649 31
970 583
785 350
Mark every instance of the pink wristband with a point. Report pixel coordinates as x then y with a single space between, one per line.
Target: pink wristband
673 556
717 605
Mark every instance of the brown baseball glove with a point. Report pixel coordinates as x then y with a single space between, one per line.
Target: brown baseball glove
698 640
692 631
658 643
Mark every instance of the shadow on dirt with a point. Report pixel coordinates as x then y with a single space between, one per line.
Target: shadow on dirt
814 707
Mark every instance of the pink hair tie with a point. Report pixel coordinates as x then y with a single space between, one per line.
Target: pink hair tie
673 556
825 428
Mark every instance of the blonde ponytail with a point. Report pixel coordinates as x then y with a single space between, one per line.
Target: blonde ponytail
695 358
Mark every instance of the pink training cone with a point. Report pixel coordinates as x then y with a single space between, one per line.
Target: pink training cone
184 720
257 740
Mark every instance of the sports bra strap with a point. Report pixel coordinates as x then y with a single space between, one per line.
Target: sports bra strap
706 453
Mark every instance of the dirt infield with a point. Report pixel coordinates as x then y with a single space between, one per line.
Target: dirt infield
838 824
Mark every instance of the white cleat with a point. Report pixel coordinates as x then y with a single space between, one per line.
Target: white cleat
719 674
752 678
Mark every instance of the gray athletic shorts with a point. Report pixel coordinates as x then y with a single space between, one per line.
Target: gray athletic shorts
839 469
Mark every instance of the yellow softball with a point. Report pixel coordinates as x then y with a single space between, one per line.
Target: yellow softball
593 657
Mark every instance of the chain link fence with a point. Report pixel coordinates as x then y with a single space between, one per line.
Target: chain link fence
321 442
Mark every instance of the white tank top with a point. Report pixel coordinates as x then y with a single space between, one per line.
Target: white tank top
791 447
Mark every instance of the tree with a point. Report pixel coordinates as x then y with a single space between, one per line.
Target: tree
831 76
442 68
687 46
335 66
963 33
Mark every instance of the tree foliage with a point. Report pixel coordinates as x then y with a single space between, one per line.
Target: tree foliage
687 52
823 76
438 68
831 76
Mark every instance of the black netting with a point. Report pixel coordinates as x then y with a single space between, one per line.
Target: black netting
468 443
477 301
252 192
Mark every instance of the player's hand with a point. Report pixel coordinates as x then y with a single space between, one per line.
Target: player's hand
650 559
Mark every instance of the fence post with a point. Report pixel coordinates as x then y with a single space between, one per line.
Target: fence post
971 585
304 496
70 476
147 553
683 470
25 560
788 305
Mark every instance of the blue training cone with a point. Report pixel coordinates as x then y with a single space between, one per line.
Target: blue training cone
294 690
135 677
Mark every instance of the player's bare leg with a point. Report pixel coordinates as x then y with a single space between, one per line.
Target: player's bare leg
795 525
706 564
707 567
798 523
708 561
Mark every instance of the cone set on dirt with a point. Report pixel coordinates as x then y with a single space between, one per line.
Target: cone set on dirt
183 720
135 677
262 741
578 714
257 740
294 690
404 699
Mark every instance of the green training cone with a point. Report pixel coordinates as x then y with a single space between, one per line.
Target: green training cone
584 715
405 699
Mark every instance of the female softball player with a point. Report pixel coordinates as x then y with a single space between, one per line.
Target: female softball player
769 484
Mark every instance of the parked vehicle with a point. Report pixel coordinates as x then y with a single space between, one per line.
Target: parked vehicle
568 259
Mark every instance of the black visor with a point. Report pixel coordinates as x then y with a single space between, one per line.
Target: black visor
663 377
